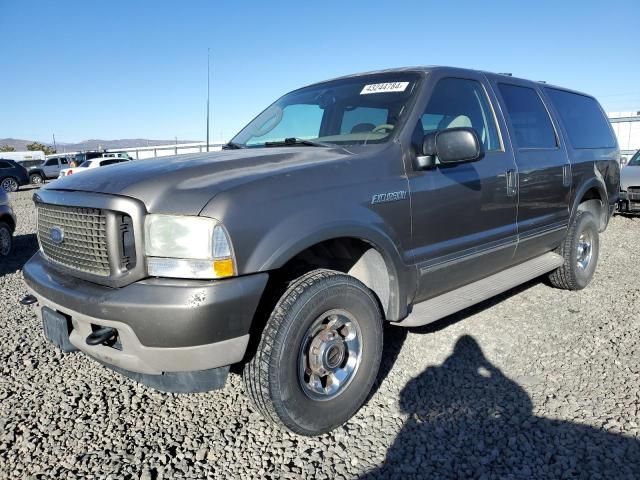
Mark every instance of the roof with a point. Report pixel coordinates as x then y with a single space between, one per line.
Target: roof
452 70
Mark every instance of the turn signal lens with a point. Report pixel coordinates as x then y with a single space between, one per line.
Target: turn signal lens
223 268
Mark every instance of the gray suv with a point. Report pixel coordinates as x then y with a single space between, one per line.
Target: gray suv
398 196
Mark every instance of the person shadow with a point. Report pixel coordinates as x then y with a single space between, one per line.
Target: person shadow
468 420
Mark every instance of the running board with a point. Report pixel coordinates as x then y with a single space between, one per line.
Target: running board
463 297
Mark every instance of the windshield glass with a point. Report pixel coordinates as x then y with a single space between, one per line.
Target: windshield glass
359 110
635 160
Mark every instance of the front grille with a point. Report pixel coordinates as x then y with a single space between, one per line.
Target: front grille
84 237
634 194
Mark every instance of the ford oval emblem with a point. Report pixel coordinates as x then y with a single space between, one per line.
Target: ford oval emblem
57 235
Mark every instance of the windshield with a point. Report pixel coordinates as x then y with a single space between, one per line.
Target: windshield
635 160
358 110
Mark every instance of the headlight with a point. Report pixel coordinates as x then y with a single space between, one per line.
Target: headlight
187 247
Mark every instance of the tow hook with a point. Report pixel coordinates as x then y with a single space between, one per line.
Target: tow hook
101 335
28 300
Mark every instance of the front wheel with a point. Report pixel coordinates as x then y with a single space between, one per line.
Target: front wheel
6 240
9 184
580 251
36 179
319 354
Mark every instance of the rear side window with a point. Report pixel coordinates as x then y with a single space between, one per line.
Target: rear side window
530 120
583 119
5 164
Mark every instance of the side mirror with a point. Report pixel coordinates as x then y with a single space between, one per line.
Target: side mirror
454 145
457 145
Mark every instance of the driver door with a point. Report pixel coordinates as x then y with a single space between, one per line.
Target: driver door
463 215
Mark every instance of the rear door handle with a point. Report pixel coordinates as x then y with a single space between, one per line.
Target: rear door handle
566 175
511 183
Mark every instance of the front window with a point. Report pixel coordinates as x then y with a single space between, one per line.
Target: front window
353 111
635 160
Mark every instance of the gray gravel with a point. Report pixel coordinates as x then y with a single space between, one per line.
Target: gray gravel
540 383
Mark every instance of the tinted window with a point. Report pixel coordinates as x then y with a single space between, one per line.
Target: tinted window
5 164
530 120
104 163
362 119
583 119
64 161
302 121
457 102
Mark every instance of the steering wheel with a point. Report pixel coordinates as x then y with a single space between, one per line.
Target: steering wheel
384 128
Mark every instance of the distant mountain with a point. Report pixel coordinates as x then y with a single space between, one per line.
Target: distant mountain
21 145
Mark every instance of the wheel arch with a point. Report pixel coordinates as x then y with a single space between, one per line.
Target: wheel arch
358 250
592 197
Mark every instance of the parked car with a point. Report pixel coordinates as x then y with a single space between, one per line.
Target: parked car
34 170
7 225
50 169
12 175
89 164
630 186
402 196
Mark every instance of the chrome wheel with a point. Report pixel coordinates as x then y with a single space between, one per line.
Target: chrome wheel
36 179
9 185
5 241
584 250
330 355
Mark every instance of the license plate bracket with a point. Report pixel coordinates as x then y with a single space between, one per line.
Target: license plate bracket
57 327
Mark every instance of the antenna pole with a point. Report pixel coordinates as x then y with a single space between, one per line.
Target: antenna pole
208 84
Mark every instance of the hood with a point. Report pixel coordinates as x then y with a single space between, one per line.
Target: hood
184 184
630 177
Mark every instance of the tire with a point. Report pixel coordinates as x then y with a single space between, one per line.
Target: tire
276 379
579 266
36 179
9 184
6 240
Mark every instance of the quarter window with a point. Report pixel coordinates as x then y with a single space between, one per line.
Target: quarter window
457 102
583 119
532 126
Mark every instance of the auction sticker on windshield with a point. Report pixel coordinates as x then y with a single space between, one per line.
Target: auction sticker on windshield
384 87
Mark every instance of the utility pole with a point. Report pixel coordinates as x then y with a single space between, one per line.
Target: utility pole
208 83
54 142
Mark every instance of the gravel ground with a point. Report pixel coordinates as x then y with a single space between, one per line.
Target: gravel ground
539 383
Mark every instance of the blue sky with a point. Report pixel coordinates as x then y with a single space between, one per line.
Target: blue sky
127 69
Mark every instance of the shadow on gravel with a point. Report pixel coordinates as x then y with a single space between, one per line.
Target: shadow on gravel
24 248
468 420
395 336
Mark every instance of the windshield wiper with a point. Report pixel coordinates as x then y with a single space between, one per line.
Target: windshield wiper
297 141
232 146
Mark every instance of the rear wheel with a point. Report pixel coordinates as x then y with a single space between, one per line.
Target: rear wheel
36 179
580 251
319 354
9 184
6 240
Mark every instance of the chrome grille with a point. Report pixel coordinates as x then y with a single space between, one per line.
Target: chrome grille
84 243
634 194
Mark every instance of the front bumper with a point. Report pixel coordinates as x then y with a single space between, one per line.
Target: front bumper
163 325
627 203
